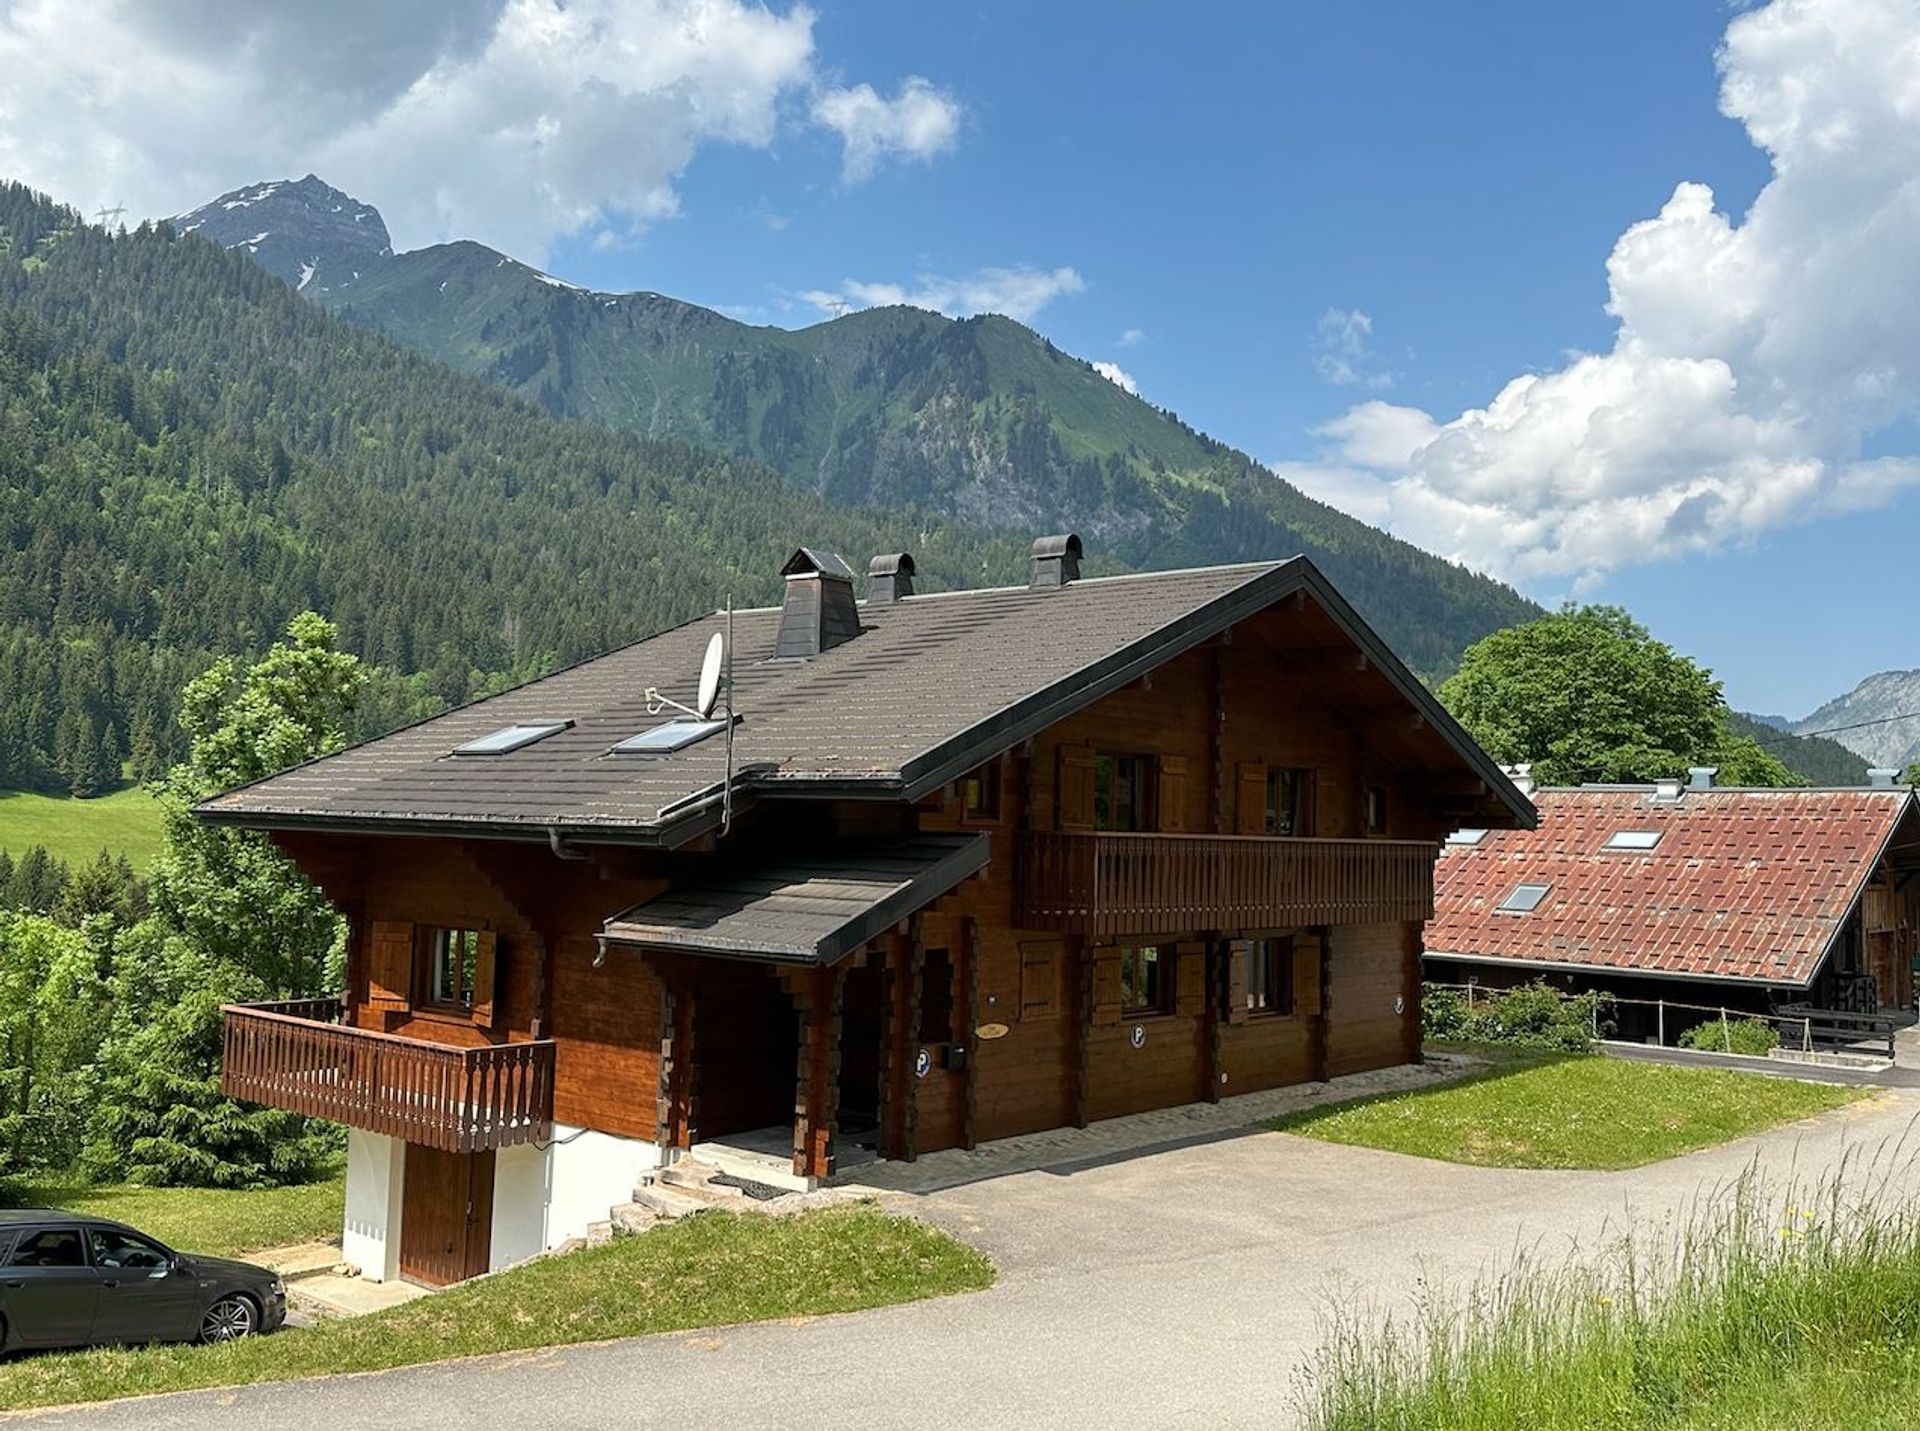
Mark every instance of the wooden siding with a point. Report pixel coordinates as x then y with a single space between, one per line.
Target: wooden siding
291 1055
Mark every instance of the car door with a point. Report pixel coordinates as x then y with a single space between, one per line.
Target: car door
48 1293
144 1297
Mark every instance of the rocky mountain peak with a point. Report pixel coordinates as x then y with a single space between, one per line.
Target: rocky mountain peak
1882 714
305 232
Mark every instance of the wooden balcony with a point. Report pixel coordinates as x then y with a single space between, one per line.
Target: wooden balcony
1114 884
298 1056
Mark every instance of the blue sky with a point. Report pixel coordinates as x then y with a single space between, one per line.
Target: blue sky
1459 173
1328 233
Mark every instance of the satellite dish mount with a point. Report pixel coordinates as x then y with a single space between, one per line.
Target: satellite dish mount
715 690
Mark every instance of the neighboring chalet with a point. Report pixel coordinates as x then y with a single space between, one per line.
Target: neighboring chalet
1748 899
998 861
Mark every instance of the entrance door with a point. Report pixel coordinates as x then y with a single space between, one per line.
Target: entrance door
446 1215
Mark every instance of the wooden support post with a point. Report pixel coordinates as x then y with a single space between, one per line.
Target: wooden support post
1081 954
675 1116
819 994
1322 1059
1212 1045
967 972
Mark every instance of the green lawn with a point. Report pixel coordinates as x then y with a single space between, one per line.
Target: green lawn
1568 1111
125 822
1762 1307
711 1270
219 1221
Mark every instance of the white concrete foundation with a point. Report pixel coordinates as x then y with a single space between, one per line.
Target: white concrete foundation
376 1178
590 1174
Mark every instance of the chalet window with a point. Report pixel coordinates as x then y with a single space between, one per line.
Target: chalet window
1269 976
1289 801
1376 809
936 997
1123 789
452 964
980 793
1146 980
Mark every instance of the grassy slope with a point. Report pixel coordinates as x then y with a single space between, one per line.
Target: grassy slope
221 1222
711 1270
125 822
1571 1112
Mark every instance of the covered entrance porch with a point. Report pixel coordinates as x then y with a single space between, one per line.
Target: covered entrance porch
791 997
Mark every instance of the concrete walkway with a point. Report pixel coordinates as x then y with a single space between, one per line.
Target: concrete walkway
1177 1288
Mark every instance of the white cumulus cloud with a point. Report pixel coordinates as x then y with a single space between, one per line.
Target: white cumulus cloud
510 121
1754 358
919 122
1343 350
1018 292
1118 376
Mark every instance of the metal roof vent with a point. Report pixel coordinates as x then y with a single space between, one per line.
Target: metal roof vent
889 577
1056 560
1700 777
818 612
1666 790
1881 777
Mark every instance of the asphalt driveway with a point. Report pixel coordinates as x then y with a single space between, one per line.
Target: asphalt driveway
1177 1288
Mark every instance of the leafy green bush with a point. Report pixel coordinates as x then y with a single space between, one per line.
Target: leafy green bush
1531 1016
1755 1036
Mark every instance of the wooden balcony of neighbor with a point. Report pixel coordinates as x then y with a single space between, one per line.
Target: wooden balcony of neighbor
1102 884
296 1055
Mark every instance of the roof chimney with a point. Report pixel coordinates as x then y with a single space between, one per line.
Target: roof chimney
1666 790
1521 775
1700 777
1880 777
818 612
1056 560
889 577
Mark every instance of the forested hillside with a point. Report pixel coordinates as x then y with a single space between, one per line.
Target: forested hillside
981 420
189 455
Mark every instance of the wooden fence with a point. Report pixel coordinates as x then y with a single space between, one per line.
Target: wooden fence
294 1054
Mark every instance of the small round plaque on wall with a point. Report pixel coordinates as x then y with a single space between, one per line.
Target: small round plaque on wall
1138 1038
922 1063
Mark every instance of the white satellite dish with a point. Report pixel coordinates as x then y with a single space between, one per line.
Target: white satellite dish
710 675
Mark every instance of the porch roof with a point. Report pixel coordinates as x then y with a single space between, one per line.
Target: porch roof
813 910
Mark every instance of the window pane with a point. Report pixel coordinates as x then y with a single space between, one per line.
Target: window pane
55 1247
123 1249
454 954
1142 980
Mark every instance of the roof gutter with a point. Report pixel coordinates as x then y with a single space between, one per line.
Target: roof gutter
1569 967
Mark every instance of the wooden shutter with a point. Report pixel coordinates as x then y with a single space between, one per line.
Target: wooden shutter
389 964
1306 975
1073 789
1238 952
1173 792
1039 979
1106 985
1250 802
1190 979
485 958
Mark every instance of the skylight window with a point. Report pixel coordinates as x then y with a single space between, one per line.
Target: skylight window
1524 899
665 739
1633 839
1466 837
510 738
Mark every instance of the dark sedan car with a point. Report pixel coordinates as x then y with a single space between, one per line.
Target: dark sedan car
72 1281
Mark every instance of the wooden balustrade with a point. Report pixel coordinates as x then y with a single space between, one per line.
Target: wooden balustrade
294 1054
1110 884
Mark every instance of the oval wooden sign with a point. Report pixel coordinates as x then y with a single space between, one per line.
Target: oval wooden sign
991 1031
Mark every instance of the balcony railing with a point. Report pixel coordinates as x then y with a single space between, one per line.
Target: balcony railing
296 1055
1107 884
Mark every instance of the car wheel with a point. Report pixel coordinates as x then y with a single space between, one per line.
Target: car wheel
232 1317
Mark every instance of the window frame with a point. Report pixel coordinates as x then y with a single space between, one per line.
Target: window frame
428 952
1374 809
101 1229
1165 981
1633 841
21 1236
1146 790
1508 906
980 793
1279 949
1303 813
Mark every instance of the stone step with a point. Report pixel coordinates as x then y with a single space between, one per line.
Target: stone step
687 1173
667 1202
599 1234
632 1217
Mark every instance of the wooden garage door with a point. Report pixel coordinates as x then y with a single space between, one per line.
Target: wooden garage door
446 1215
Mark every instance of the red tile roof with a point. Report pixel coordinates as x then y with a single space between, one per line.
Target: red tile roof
1744 884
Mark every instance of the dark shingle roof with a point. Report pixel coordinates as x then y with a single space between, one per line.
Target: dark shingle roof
815 910
933 685
1747 885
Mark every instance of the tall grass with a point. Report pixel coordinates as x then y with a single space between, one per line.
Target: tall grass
1724 1317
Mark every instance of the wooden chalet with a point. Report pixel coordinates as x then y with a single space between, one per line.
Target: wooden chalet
987 862
1692 895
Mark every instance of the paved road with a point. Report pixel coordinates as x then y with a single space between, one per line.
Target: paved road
1180 1288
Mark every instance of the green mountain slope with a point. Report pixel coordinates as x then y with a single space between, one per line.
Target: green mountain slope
1815 758
980 420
